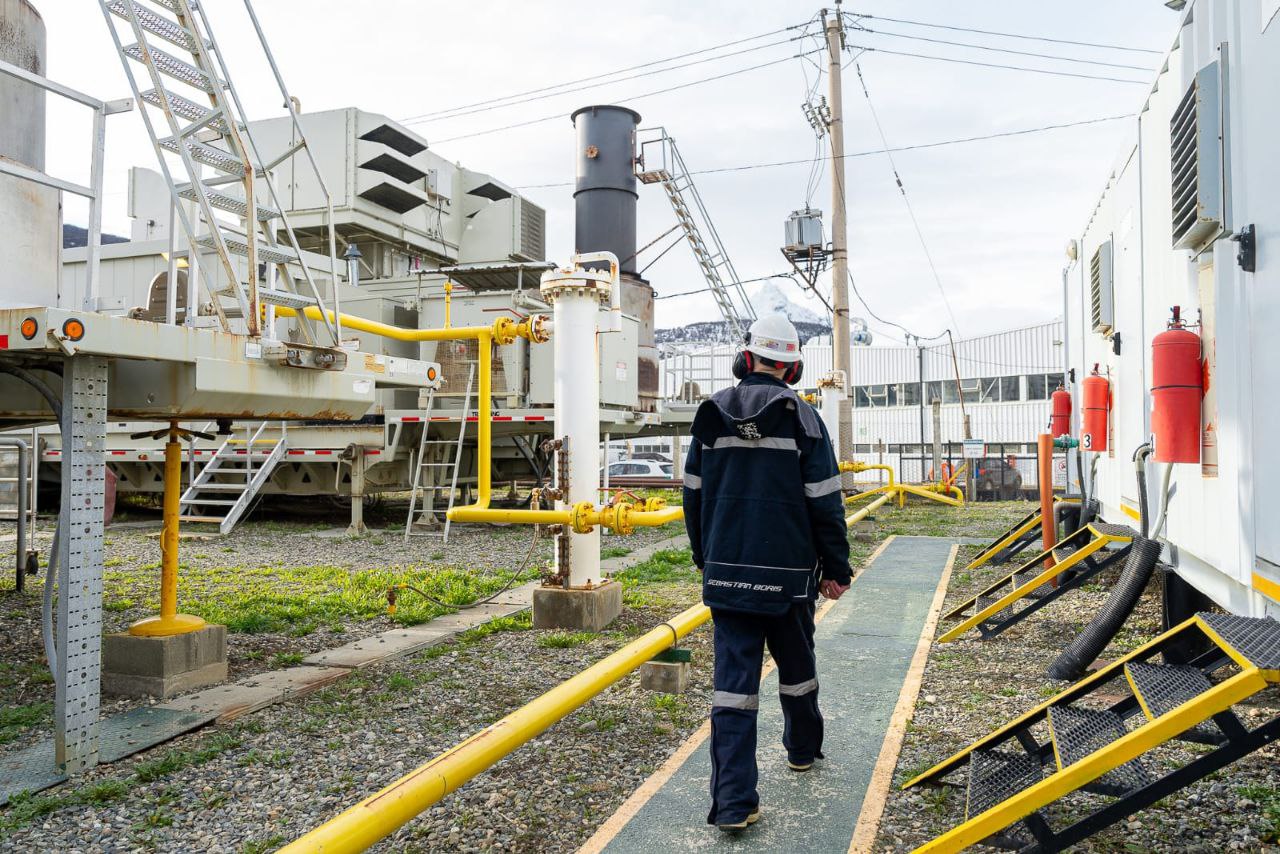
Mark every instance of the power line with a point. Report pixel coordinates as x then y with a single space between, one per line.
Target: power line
516 103
1008 35
1055 57
560 116
603 74
869 153
1026 68
937 280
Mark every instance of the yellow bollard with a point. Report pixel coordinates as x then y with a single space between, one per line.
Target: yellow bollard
170 622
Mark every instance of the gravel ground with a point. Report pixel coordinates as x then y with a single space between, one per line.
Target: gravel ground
288 583
970 686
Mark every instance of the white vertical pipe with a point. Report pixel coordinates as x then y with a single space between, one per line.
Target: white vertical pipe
832 396
577 413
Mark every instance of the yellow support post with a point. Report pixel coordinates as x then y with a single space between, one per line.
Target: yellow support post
170 622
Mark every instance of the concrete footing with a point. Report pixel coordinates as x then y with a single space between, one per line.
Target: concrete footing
163 666
667 677
588 609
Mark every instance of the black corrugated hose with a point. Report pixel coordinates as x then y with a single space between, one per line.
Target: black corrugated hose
1090 643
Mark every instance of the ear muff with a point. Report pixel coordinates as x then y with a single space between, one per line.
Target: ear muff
793 374
743 364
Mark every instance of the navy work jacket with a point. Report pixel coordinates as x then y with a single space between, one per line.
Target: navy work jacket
762 500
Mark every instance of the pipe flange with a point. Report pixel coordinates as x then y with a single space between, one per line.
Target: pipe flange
539 326
621 521
581 516
576 282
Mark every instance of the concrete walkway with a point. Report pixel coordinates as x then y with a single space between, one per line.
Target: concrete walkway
869 647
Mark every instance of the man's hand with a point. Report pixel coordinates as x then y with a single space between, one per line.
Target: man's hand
832 589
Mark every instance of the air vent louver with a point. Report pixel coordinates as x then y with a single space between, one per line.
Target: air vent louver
1195 147
1101 290
532 232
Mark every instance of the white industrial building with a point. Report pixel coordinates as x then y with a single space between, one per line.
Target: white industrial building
1001 381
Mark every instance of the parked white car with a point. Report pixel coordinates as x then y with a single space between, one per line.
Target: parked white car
640 468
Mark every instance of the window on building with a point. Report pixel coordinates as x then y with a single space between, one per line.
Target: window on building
970 389
861 398
862 449
933 392
909 394
989 390
1036 387
1009 389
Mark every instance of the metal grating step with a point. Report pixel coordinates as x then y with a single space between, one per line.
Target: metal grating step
223 161
1107 530
994 777
1161 688
189 110
288 299
1077 733
267 254
1256 638
169 30
168 64
226 202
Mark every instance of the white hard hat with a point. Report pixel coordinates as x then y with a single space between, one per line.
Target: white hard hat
773 337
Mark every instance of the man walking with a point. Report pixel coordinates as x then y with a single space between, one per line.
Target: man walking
765 517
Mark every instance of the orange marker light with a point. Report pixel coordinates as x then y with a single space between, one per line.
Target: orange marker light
73 329
30 328
431 373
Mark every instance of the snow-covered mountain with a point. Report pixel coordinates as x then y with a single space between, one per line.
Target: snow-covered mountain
766 298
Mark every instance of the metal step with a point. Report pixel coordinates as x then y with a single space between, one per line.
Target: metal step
204 520
1161 688
288 299
995 776
1077 733
186 109
1108 530
210 501
1256 638
226 202
167 29
171 66
268 254
221 487
223 161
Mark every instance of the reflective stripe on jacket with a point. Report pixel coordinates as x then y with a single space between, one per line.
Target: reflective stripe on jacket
762 500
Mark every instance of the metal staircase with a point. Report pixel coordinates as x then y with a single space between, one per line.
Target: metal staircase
436 469
1075 560
722 280
195 119
1085 741
233 478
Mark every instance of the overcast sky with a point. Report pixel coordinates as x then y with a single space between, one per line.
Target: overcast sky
995 214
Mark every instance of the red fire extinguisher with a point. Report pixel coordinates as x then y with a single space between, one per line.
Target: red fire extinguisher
1060 417
1095 403
1177 386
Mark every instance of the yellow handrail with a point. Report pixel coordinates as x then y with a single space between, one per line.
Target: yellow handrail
379 815
859 467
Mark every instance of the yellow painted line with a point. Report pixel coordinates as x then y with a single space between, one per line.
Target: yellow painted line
651 786
1093 766
1069 693
1142 701
1266 587
873 802
1132 512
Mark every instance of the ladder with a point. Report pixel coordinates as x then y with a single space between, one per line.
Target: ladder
1074 561
195 119
692 216
1086 744
1018 537
233 477
432 465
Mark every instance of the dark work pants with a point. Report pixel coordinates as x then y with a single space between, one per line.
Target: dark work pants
740 640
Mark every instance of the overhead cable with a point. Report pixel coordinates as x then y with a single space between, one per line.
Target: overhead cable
1055 57
484 109
603 74
869 153
1007 35
1027 68
560 115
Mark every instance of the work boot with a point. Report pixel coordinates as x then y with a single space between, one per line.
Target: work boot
739 826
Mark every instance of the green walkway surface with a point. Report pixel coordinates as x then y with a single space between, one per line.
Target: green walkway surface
865 646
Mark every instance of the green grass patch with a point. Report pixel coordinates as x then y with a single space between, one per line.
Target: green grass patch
614 551
15 720
1268 800
667 566
298 600
565 640
286 659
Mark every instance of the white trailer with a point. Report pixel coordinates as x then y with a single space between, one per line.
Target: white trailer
1190 216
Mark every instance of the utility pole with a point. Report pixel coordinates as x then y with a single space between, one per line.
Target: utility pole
834 27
